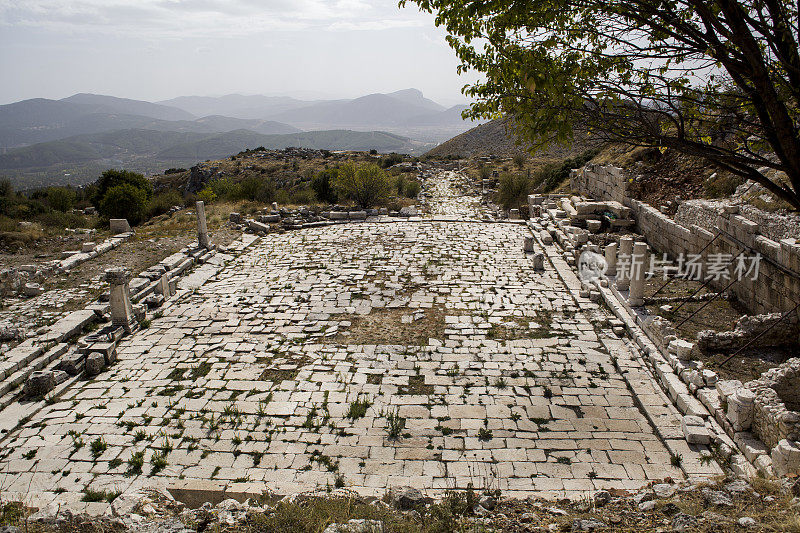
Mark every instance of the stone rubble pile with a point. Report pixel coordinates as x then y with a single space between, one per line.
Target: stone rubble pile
288 219
723 505
771 329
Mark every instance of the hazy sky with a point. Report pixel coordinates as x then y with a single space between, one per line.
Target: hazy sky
159 49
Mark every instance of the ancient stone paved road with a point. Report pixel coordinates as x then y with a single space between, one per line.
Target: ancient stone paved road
500 379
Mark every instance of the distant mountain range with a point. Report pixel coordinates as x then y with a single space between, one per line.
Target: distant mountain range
44 139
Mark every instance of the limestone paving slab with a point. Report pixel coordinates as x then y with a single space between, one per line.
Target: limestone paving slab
425 353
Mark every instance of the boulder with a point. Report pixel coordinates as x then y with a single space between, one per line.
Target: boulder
587 524
405 498
356 526
32 289
663 490
602 497
683 522
717 498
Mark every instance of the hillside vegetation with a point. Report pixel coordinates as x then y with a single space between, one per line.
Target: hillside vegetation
497 139
247 182
148 151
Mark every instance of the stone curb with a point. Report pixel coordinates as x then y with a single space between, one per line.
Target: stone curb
672 440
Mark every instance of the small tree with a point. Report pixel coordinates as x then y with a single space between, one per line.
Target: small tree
124 201
323 185
111 178
366 185
266 192
61 198
514 190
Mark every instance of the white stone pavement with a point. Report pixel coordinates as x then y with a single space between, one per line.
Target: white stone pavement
496 374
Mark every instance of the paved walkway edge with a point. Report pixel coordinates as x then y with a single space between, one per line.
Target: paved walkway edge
657 406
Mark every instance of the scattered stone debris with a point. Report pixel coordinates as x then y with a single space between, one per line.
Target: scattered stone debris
689 508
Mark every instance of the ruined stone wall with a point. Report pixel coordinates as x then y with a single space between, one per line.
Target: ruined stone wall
703 213
600 182
776 399
773 289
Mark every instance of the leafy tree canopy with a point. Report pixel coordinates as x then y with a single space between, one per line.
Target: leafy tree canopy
718 79
124 201
112 178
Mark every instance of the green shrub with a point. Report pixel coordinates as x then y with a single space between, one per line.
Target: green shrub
366 185
163 202
411 189
391 160
61 198
484 172
551 176
6 189
248 189
322 184
189 200
266 192
124 201
223 189
722 185
407 187
207 195
302 197
282 196
57 219
519 160
112 178
514 190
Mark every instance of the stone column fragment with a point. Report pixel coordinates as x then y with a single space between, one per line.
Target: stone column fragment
624 262
637 272
611 259
163 288
120 298
740 409
202 229
528 244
